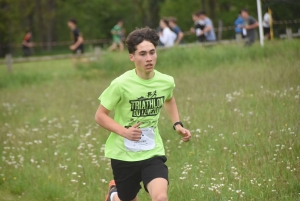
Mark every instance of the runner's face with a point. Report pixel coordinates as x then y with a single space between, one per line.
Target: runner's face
171 24
162 24
71 25
144 57
195 18
244 15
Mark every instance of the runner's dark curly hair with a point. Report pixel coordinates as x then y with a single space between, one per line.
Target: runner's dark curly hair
138 36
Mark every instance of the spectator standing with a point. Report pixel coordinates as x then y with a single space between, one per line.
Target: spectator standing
239 23
117 34
266 25
208 31
166 37
175 28
27 44
77 47
198 28
158 30
250 25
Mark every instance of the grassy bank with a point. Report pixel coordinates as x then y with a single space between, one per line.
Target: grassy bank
242 105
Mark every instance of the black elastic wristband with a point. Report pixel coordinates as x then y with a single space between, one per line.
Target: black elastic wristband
177 123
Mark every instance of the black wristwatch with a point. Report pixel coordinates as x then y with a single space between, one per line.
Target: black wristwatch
177 123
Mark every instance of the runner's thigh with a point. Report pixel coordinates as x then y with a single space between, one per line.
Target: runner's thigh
127 176
154 168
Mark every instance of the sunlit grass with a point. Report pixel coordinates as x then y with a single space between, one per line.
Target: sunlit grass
242 106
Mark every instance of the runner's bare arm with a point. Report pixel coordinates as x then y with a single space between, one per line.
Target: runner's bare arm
103 119
252 26
172 111
207 29
27 44
79 42
180 36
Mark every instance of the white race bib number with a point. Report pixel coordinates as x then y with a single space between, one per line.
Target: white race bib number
198 32
147 141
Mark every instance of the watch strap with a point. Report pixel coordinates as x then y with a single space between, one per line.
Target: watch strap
177 123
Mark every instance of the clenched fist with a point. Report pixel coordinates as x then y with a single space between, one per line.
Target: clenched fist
133 133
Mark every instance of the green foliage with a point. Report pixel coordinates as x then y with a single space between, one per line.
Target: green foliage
47 18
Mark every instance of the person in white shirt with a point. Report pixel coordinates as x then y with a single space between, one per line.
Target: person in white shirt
266 25
166 37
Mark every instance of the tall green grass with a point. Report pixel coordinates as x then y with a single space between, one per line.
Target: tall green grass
241 104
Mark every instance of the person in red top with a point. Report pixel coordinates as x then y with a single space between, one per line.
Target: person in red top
27 44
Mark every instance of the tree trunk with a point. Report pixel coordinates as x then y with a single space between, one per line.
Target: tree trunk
50 22
203 4
139 4
40 22
212 9
153 13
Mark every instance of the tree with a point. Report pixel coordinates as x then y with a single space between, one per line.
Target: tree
47 18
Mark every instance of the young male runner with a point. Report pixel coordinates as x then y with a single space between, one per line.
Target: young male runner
77 47
175 28
117 34
135 145
27 44
199 26
250 24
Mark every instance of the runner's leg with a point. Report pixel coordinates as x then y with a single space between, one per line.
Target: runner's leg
127 177
158 189
113 47
155 178
116 198
121 46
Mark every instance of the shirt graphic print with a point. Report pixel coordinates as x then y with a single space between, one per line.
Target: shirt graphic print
147 106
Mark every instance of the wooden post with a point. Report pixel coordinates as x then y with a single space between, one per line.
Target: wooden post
97 52
220 29
9 62
289 33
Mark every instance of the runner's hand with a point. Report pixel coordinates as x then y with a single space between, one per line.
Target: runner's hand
133 133
72 47
185 133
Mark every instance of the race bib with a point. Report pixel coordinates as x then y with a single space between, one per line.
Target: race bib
198 32
147 141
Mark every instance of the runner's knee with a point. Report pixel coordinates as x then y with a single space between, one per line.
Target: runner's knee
160 197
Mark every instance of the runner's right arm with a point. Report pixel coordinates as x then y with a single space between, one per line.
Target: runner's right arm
103 119
179 38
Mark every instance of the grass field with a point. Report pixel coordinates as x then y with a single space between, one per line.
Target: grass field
241 104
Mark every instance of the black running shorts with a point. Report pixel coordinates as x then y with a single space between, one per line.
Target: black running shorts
267 30
129 175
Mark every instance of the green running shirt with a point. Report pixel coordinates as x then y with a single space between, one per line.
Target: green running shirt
117 33
137 100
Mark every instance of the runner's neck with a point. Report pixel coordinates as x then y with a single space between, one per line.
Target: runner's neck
145 76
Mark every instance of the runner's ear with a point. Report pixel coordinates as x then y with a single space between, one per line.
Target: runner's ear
131 57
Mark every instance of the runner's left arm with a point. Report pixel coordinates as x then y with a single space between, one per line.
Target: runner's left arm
172 111
179 38
78 42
